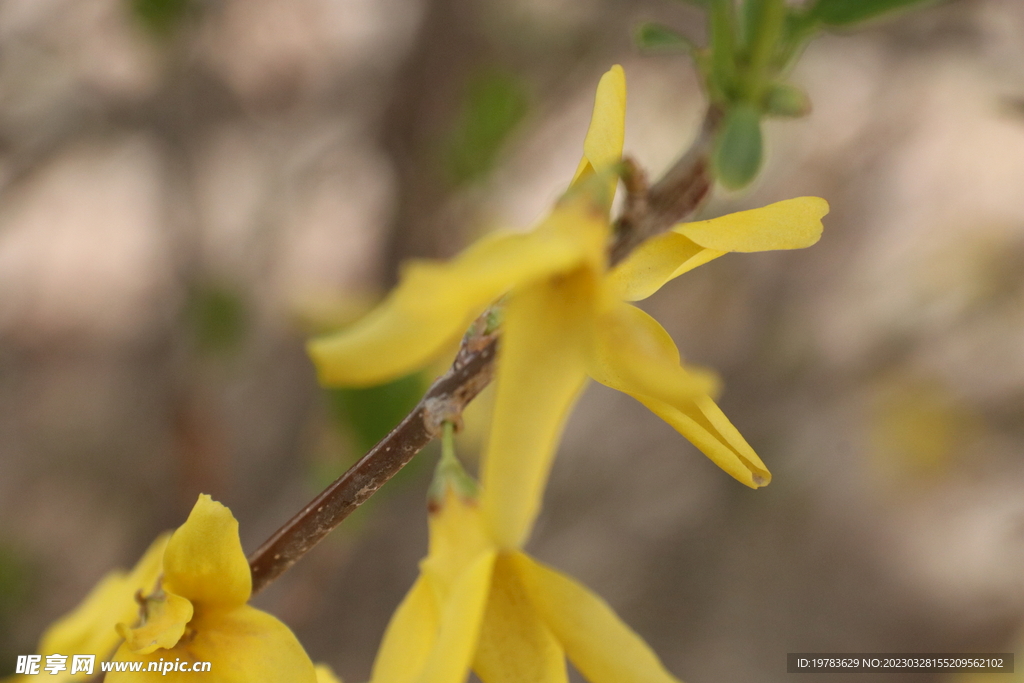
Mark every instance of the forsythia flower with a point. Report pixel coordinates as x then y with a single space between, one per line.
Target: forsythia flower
509 618
186 599
89 629
567 318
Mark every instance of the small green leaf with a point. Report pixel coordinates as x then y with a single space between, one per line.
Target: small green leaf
846 12
739 148
783 99
494 104
660 38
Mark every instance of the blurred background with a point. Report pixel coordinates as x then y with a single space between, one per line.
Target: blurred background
190 188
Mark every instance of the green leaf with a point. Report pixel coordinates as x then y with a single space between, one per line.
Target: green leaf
739 148
660 38
783 99
494 104
846 12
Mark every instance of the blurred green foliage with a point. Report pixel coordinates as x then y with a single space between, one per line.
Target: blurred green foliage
495 102
846 12
786 100
218 316
657 37
161 17
371 412
751 48
15 590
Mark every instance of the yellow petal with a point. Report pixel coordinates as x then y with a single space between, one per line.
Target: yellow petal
789 224
705 425
325 674
602 148
90 628
164 624
242 645
631 352
599 644
515 646
540 374
435 303
655 262
460 624
409 637
204 561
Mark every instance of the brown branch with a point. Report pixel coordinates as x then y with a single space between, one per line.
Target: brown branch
647 212
677 195
443 402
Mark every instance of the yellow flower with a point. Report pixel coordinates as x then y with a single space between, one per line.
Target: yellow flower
503 614
198 612
567 318
89 628
186 599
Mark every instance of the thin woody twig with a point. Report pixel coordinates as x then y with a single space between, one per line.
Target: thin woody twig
443 402
677 195
647 211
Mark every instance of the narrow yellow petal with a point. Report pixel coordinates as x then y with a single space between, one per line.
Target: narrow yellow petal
655 262
634 354
434 305
515 646
790 224
602 148
90 627
164 624
599 644
204 561
705 425
631 352
242 645
540 373
460 621
409 638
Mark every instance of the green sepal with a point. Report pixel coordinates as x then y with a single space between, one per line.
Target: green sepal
739 147
450 473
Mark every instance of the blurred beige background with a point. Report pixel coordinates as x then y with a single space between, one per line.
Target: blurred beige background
190 188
